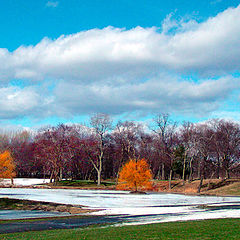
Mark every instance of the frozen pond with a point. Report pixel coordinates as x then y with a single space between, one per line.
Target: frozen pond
153 207
19 214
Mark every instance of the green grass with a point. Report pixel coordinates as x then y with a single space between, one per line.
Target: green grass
206 229
83 183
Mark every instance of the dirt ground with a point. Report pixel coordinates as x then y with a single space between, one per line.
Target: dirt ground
17 204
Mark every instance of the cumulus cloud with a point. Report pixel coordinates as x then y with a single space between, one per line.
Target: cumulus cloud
117 70
208 48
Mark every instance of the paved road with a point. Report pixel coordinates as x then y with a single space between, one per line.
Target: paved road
62 223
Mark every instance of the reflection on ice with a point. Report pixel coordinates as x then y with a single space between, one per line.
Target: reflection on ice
194 215
20 214
147 208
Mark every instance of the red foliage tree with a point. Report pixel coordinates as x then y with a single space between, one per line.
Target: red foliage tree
55 147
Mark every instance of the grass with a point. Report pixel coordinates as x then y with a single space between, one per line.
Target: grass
205 229
83 183
232 189
227 187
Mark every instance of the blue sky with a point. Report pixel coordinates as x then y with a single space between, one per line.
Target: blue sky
61 61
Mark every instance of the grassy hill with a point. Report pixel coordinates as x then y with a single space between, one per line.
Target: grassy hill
223 187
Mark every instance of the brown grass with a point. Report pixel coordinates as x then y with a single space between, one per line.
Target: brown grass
229 187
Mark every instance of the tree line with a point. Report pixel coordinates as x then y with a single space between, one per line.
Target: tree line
98 151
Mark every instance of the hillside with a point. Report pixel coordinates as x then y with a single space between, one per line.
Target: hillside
223 187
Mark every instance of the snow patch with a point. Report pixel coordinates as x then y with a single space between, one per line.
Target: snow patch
24 181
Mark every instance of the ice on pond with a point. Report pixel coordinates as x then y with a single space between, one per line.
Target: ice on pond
20 214
153 207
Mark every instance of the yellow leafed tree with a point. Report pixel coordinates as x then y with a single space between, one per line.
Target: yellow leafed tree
7 167
135 175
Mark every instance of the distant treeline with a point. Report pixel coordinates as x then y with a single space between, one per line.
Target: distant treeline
187 151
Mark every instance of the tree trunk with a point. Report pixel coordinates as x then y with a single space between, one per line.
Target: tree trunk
200 184
51 177
100 163
170 179
99 177
135 184
184 168
159 173
227 175
218 168
117 178
191 171
44 174
199 170
55 176
209 182
12 181
60 174
163 171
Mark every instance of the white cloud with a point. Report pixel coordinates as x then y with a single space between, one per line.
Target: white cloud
52 4
15 101
209 48
19 102
165 94
228 115
117 70
172 26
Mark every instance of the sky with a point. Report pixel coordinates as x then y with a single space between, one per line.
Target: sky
62 61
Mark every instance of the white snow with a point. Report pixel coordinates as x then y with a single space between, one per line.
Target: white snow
138 209
24 181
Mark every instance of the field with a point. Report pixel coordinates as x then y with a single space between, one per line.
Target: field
206 229
84 184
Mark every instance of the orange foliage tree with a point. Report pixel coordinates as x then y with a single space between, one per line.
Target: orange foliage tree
135 175
7 167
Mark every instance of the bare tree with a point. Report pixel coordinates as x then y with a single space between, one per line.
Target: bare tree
127 135
56 146
227 141
100 123
165 132
205 135
188 139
